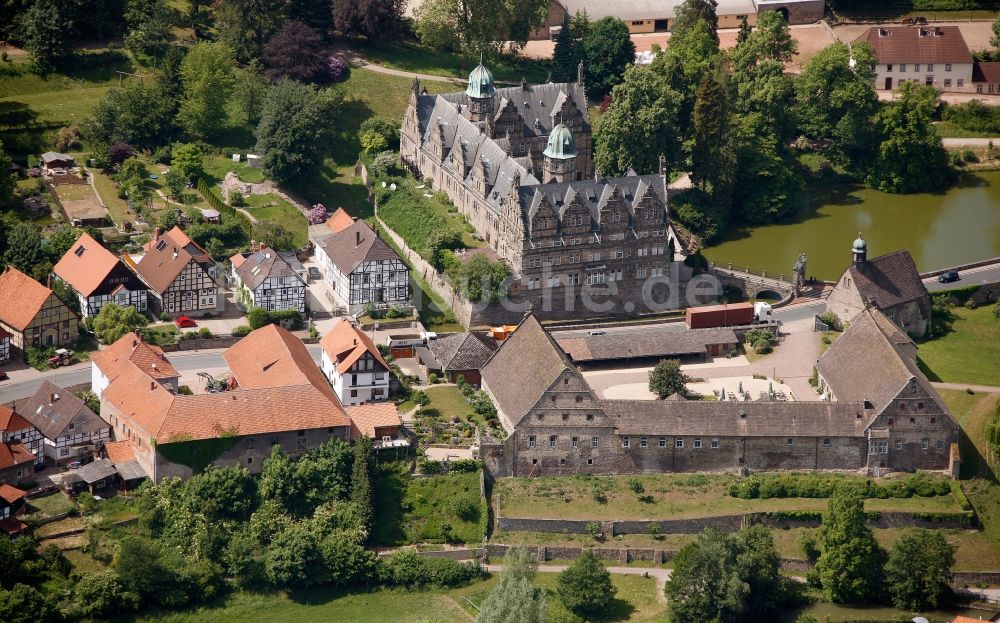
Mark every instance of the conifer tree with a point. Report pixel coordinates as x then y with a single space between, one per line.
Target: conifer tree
564 56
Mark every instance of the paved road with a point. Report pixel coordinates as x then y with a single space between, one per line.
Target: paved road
970 277
970 142
185 361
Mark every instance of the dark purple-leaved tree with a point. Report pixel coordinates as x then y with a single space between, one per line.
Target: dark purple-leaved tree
295 52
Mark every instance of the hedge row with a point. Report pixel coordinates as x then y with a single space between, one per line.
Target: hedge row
218 204
765 486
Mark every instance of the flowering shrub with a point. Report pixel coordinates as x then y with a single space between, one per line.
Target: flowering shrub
317 214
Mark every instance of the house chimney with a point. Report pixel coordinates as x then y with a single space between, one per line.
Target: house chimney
260 247
157 233
355 341
357 238
152 385
53 398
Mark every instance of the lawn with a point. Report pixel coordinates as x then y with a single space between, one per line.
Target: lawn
665 496
275 209
974 337
948 129
637 601
416 58
433 509
216 168
448 418
49 504
106 188
415 216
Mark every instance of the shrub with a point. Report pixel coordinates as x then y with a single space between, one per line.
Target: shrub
809 549
241 331
432 378
317 214
337 68
761 346
384 164
635 486
970 304
236 199
831 320
969 156
204 332
594 529
430 466
464 466
164 316
420 397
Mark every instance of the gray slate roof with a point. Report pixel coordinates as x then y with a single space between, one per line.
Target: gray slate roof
355 245
873 360
890 280
523 368
463 351
98 470
645 343
723 419
52 418
270 264
595 194
130 470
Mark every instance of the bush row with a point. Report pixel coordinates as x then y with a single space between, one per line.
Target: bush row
767 486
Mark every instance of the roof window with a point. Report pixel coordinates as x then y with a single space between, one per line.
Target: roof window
161 245
79 251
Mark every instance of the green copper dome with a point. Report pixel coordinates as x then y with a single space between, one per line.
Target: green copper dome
860 246
480 82
561 144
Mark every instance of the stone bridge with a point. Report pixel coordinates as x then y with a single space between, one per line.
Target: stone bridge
757 284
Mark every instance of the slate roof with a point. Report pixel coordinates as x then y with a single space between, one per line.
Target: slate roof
345 343
373 415
95 471
907 44
85 265
645 343
131 470
523 368
12 454
463 351
268 263
712 418
594 194
11 421
890 280
873 360
51 418
354 245
21 298
131 349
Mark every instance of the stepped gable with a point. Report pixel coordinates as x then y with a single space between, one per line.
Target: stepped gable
533 101
594 193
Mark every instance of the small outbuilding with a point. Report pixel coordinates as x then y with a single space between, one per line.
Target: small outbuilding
52 160
97 475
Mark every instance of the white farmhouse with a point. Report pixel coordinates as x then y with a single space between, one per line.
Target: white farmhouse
353 365
265 279
360 267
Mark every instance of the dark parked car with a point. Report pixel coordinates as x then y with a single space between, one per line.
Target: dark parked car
314 273
3 375
948 277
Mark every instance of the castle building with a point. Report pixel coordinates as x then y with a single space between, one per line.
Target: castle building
517 163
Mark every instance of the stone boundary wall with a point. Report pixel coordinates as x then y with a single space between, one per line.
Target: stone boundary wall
726 523
935 273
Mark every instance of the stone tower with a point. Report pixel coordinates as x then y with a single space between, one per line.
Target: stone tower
860 252
559 157
481 94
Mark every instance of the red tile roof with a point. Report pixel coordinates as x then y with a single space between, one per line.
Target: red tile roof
21 298
12 454
906 44
11 494
988 72
368 417
130 348
12 526
85 265
11 421
119 451
280 388
339 221
345 343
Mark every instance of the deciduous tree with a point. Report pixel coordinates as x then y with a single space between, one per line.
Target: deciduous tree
246 24
295 52
149 24
690 12
667 379
187 160
136 114
639 127
367 18
114 321
46 28
294 129
585 587
207 74
515 599
918 571
850 565
608 52
24 247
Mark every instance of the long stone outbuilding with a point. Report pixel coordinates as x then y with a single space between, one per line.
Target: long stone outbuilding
556 425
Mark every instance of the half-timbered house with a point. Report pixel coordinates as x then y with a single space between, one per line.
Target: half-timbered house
180 275
5 337
362 269
33 314
15 429
265 279
352 363
70 429
98 276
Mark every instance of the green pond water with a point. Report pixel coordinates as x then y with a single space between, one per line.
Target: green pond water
941 230
833 613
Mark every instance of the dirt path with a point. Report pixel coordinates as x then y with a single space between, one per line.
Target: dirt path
985 389
355 59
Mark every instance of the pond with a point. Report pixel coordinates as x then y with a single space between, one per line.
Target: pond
833 613
941 230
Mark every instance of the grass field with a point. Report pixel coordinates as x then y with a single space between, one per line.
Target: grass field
216 168
411 56
415 216
434 509
975 336
665 496
275 209
49 504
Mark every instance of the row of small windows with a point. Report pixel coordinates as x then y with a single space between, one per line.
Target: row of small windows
553 440
697 443
916 67
882 447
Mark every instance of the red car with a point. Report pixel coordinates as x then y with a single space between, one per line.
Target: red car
184 322
3 375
